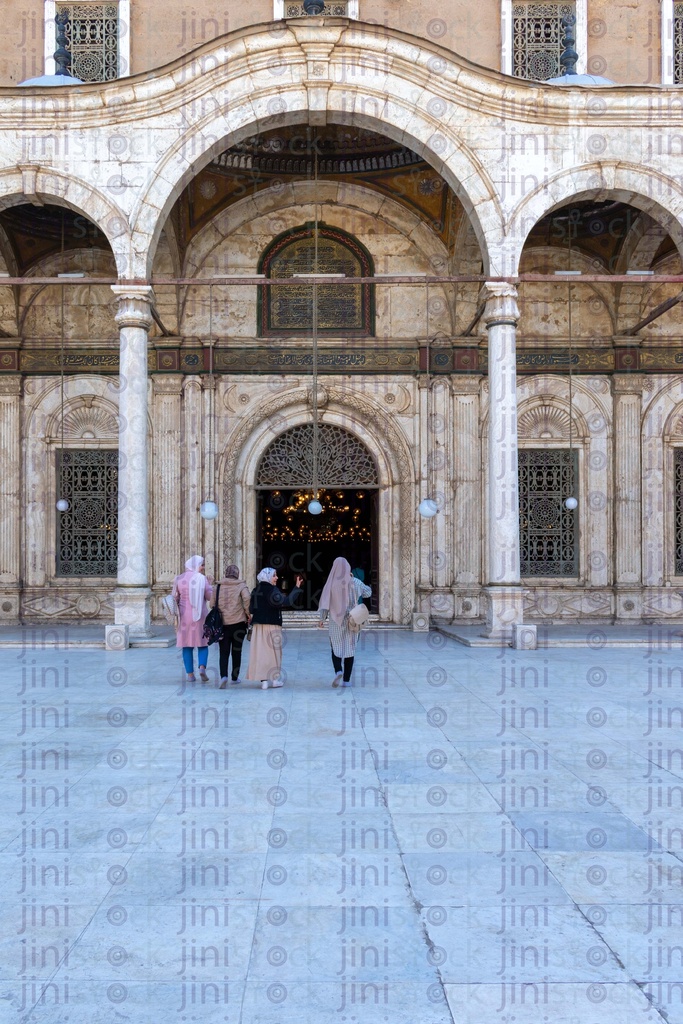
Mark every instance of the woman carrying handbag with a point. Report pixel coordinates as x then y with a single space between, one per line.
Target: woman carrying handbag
233 603
339 599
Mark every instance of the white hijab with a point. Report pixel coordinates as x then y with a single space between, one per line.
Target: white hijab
197 587
266 575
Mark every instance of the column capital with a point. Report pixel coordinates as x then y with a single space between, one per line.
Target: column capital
134 302
10 384
627 383
501 304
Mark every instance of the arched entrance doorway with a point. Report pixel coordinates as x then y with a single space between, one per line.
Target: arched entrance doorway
288 537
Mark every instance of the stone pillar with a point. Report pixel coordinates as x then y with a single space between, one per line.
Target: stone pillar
424 529
503 592
168 561
467 521
132 595
627 392
193 432
10 498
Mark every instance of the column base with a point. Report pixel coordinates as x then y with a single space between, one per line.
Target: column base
10 605
504 609
132 608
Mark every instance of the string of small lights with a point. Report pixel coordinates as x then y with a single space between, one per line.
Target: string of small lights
342 518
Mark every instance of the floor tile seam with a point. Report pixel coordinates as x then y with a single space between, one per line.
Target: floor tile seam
411 896
259 900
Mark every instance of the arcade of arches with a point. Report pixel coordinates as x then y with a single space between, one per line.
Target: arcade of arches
412 382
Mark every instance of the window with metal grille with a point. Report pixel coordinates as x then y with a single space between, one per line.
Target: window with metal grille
678 510
548 532
92 33
537 38
678 43
87 534
338 9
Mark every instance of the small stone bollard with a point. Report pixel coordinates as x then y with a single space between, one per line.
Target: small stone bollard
524 638
116 638
420 622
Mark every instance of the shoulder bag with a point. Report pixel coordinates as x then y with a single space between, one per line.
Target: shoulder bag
358 616
213 623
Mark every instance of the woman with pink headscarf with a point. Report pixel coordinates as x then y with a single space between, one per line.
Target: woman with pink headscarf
341 593
191 591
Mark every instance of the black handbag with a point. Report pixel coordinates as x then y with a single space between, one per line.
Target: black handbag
213 623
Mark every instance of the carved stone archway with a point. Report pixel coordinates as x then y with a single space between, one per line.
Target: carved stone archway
244 451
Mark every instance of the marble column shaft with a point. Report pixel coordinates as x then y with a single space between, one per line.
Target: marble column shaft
134 321
192 450
501 316
504 593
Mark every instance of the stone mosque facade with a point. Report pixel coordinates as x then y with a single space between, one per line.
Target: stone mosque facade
388 253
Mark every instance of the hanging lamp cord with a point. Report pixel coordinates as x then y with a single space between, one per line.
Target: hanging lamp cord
315 334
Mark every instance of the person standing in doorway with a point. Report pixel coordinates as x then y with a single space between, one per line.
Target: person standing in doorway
233 602
191 591
267 602
341 593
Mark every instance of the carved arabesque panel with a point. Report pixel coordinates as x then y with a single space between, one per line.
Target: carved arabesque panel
87 534
92 33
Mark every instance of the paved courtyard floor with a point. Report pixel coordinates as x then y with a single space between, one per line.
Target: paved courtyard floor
467 835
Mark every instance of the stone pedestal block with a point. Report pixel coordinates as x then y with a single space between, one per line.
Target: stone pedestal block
9 604
116 638
524 638
132 608
420 622
629 604
504 609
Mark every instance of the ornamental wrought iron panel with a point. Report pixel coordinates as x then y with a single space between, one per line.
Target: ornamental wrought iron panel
548 532
87 535
537 38
678 43
343 460
678 510
336 10
92 33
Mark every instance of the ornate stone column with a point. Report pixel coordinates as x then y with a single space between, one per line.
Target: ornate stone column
10 497
503 592
467 518
167 455
132 595
627 392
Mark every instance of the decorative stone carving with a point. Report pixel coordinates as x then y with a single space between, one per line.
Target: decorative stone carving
544 421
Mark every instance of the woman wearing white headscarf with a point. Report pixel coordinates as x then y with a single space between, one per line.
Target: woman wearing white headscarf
265 608
341 593
192 590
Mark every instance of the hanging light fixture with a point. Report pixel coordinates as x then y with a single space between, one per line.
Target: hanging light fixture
209 509
570 503
428 507
314 506
62 503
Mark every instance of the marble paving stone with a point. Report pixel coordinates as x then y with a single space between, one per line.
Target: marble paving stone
325 841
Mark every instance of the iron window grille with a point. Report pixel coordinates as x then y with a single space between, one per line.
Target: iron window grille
548 532
343 460
87 534
678 43
678 510
537 38
336 10
92 33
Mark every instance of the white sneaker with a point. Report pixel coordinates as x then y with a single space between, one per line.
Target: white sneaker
234 682
278 682
264 684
